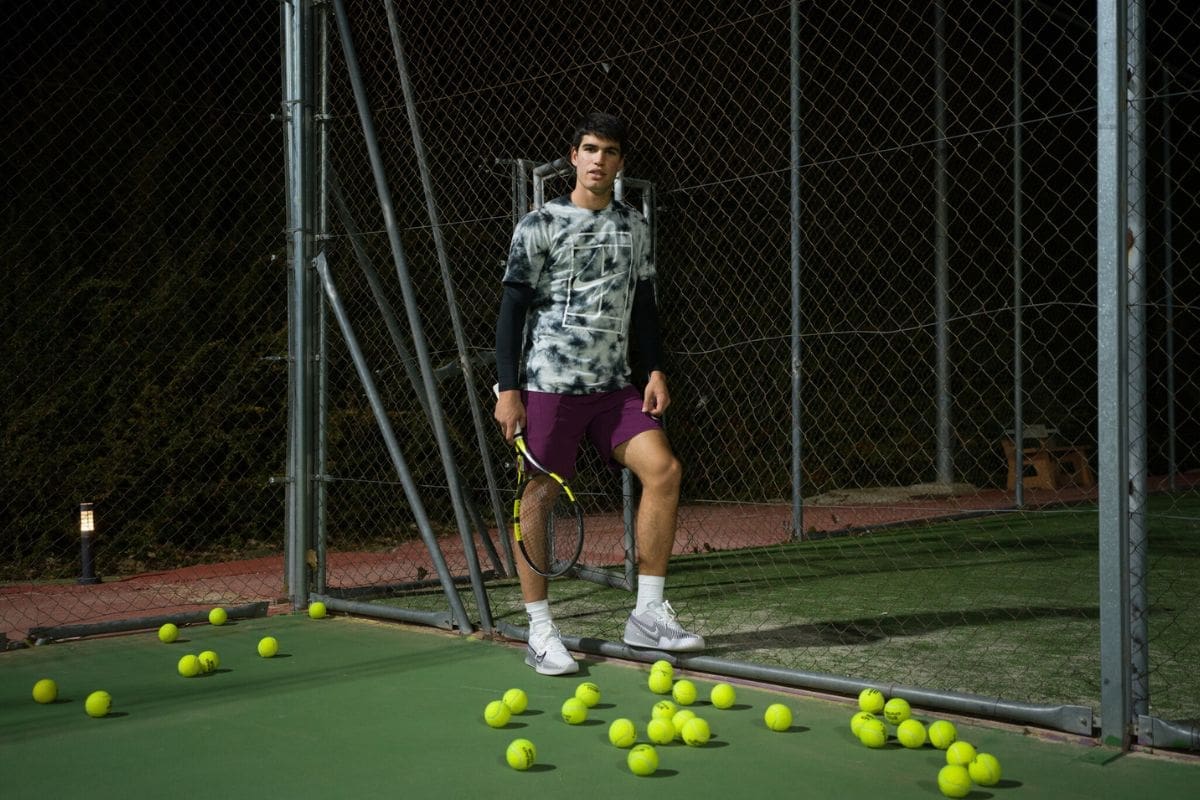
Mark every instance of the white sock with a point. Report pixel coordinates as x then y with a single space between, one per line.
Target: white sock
650 589
539 613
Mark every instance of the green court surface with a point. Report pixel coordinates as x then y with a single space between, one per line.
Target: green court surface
352 708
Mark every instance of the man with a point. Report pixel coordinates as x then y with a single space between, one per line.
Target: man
579 279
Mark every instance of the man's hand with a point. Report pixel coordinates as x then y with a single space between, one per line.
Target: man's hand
510 413
657 397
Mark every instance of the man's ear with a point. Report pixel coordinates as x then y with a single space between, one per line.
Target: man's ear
574 157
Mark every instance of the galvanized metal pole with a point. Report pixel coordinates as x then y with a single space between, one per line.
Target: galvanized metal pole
794 207
322 233
1168 271
941 253
1018 241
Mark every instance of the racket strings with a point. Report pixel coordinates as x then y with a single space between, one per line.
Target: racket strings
549 525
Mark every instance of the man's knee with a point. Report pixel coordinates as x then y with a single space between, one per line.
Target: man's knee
665 474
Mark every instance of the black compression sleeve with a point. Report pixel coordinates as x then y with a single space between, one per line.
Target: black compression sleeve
510 333
645 326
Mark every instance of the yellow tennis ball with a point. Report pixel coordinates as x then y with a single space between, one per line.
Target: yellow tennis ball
681 718
98 704
873 733
521 754
954 780
696 732
496 714
722 696
778 717
960 753
858 719
664 667
642 760
684 692
659 682
871 701
896 710
663 709
45 691
942 734
574 711
209 661
317 610
218 616
984 769
268 646
661 731
911 733
189 666
168 633
516 700
589 693
622 733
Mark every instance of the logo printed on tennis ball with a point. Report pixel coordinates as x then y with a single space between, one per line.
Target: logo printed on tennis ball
317 610
521 754
942 734
873 733
268 646
663 709
168 633
858 719
954 780
642 760
696 732
622 733
778 717
960 753
516 700
218 616
45 691
98 704
496 714
896 710
722 696
574 712
684 692
589 693
911 733
661 731
189 666
209 661
659 682
871 701
984 769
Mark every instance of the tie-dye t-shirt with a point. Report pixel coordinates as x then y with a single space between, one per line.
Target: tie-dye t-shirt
583 266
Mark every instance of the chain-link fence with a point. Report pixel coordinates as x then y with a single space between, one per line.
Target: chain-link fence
143 309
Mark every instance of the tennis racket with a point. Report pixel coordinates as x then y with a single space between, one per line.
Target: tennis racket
547 521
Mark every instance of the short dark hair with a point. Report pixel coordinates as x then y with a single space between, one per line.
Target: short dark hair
606 126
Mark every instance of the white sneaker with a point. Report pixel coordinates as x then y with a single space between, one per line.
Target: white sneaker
657 627
546 653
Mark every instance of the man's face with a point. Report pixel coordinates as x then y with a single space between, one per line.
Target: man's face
597 161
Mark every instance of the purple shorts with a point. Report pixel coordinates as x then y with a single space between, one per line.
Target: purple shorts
556 423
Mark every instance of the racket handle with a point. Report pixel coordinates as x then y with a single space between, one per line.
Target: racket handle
496 391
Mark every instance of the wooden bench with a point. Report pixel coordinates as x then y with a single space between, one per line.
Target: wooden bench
1047 463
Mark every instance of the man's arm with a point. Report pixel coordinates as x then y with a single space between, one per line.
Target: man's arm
649 342
510 333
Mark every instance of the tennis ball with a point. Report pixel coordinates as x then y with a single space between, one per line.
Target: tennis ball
496 714
516 700
942 734
722 696
684 692
45 691
574 711
911 733
168 633
218 616
664 667
778 717
858 719
622 733
984 769
209 661
681 718
98 704
960 753
954 780
521 754
696 732
896 710
873 733
589 693
663 709
642 760
316 610
659 683
871 701
189 666
660 731
268 646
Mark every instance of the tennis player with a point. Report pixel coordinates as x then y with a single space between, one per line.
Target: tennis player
578 285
